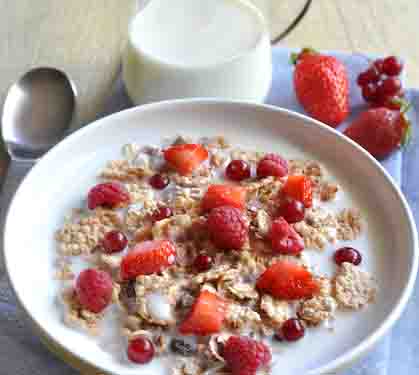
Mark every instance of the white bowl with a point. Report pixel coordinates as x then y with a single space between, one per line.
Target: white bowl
60 181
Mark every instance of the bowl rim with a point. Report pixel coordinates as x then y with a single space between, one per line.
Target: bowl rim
341 361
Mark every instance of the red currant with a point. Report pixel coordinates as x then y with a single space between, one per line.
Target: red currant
369 76
292 210
114 242
369 92
202 263
392 66
140 350
389 87
162 213
292 330
349 255
379 65
238 170
158 181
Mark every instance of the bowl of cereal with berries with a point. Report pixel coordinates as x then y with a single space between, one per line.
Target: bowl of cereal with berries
211 237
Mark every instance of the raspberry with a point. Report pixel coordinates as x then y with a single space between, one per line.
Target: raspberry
284 238
272 165
108 194
94 289
244 356
228 227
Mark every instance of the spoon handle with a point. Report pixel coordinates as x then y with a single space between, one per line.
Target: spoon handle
14 176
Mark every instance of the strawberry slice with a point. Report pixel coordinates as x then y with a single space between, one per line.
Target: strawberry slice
206 316
287 280
224 195
299 187
185 158
148 257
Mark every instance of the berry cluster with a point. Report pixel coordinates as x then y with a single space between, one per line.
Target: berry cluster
380 83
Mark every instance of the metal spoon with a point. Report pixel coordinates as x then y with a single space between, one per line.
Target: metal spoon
38 110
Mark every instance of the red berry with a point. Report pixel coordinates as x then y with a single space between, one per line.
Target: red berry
140 350
389 87
369 76
380 131
185 158
109 195
148 257
161 214
224 195
238 170
114 242
393 103
272 165
202 263
321 85
288 280
206 316
284 238
379 65
347 254
245 356
158 181
94 290
392 66
369 93
292 210
300 188
227 227
292 330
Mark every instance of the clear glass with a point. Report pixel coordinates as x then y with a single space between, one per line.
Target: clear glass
282 15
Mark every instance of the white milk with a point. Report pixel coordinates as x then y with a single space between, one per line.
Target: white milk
194 32
197 48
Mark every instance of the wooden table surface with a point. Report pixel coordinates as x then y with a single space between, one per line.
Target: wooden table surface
375 26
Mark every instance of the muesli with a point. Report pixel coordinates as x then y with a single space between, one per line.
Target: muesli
201 248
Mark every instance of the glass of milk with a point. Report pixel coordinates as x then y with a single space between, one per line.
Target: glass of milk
197 48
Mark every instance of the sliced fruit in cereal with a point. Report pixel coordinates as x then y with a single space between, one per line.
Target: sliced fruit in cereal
224 195
206 315
185 158
148 257
300 188
287 280
109 195
284 238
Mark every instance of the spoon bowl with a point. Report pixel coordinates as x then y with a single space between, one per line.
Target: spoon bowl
38 110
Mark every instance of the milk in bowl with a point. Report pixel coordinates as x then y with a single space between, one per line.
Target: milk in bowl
197 48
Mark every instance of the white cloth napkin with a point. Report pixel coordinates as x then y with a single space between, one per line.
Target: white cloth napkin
21 352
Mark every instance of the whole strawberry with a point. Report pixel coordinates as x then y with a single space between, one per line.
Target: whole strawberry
380 131
322 87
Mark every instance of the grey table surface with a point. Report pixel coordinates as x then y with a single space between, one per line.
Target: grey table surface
22 353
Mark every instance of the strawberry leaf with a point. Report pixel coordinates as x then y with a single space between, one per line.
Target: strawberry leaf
408 133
